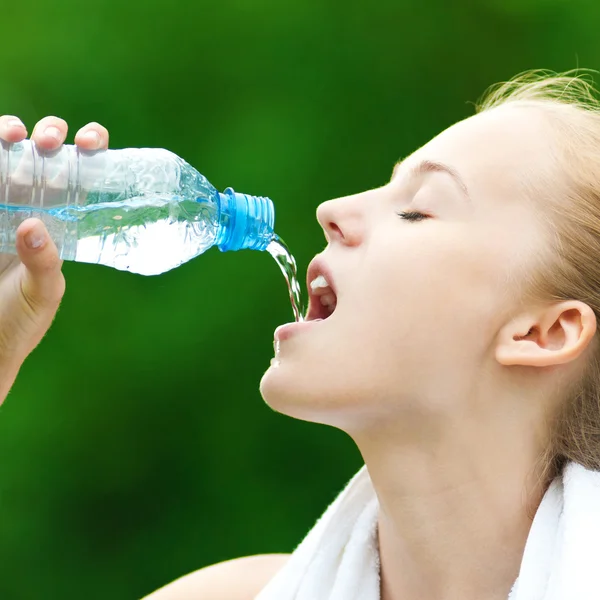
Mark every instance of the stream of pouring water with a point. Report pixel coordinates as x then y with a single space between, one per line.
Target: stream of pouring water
287 263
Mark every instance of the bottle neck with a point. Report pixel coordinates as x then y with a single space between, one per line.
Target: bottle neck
244 221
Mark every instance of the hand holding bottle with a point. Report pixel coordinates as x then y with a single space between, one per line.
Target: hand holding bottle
31 283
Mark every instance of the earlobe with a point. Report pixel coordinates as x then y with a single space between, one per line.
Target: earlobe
553 336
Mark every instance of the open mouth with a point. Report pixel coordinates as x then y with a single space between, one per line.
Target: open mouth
322 296
321 304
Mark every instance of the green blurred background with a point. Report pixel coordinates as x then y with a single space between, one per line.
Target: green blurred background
135 446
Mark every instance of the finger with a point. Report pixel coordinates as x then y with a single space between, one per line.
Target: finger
50 133
43 284
12 129
92 137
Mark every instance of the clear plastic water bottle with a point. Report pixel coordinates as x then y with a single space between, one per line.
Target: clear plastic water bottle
141 210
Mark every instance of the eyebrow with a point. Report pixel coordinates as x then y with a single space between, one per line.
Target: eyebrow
431 166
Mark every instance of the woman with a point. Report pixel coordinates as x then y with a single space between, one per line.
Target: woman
460 356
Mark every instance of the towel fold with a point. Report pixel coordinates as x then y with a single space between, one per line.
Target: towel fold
339 558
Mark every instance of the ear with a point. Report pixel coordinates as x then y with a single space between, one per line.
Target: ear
554 335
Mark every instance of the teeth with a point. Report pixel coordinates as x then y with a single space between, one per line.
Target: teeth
318 282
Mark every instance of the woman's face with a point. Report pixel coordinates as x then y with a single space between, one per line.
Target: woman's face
420 299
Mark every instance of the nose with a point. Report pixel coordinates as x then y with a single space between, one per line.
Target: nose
343 220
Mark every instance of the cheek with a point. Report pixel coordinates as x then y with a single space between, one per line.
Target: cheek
431 298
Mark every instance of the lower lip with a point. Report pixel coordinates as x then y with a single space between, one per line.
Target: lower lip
283 332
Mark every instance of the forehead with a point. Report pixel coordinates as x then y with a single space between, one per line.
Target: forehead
505 149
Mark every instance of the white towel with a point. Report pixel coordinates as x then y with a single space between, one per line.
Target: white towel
339 558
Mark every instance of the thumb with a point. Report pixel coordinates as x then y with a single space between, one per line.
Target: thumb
42 284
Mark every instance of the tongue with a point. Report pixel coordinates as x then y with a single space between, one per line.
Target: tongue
329 300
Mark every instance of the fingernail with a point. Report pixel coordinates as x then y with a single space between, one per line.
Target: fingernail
91 136
34 239
54 133
15 123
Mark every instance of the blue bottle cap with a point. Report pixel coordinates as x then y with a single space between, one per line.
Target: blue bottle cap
246 221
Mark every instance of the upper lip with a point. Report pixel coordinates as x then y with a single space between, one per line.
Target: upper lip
317 267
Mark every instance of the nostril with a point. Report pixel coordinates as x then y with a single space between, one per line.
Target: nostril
337 232
349 233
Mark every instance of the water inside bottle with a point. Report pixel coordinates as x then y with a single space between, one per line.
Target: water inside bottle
142 235
287 263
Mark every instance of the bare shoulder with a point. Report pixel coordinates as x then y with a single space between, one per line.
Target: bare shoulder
238 579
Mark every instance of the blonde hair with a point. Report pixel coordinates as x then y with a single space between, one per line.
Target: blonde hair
571 267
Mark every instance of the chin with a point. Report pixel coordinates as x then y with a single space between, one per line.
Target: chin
282 388
291 391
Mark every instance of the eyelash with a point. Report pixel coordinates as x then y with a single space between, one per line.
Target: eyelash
412 216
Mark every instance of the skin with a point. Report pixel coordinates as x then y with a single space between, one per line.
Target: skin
432 364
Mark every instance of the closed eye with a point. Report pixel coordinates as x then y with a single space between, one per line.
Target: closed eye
412 215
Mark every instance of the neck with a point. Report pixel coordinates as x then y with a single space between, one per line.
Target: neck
455 513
